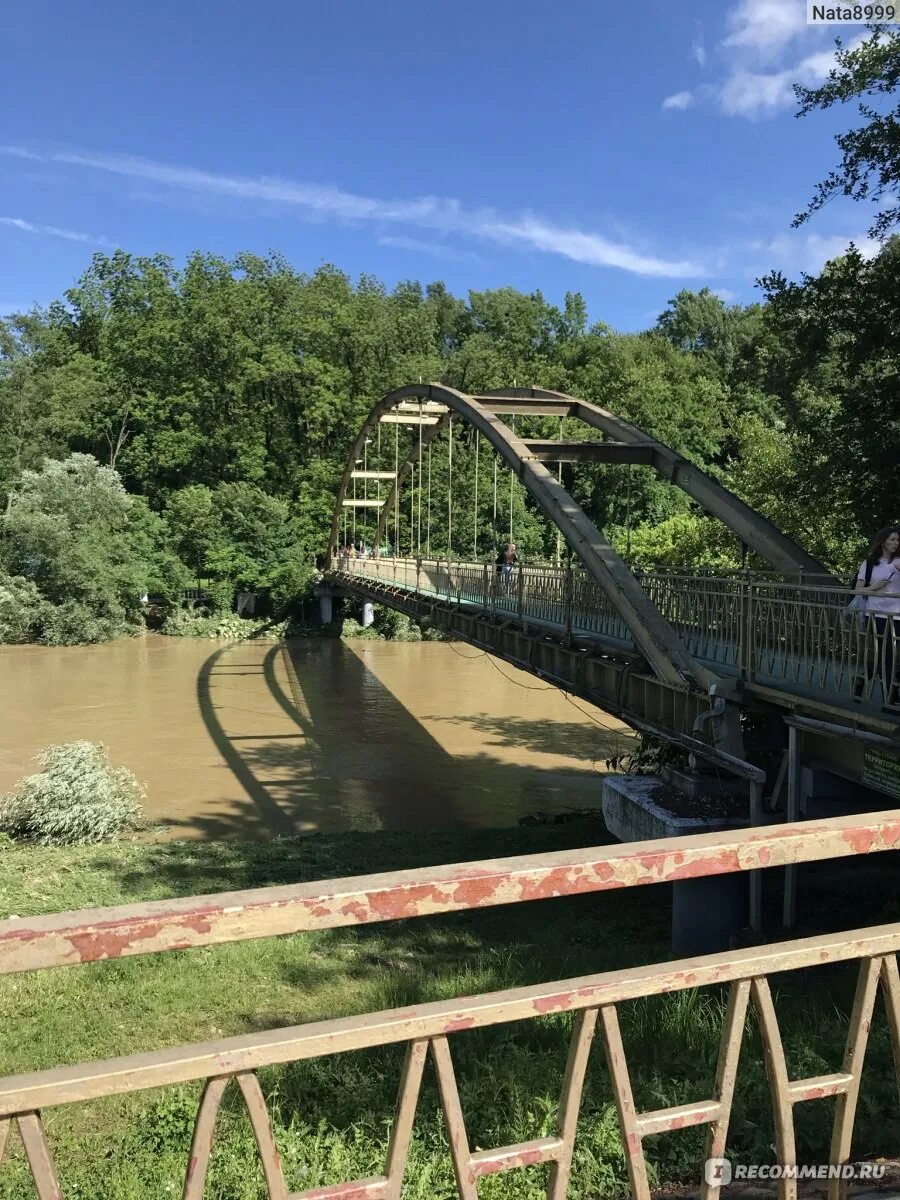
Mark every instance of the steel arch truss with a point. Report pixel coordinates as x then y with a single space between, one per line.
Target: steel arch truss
653 635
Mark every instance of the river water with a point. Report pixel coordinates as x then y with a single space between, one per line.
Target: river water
254 739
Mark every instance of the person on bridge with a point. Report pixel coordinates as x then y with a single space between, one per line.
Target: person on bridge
506 560
878 580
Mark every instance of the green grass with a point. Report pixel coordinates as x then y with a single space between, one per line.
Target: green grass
331 1115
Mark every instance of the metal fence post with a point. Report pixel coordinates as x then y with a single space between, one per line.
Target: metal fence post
792 812
521 597
569 585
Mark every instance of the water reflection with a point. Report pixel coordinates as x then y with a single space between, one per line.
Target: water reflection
257 739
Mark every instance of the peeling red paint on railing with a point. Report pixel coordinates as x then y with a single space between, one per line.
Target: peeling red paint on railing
89 935
83 936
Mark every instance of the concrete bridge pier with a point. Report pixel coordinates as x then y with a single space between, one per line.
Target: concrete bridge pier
326 596
368 614
706 912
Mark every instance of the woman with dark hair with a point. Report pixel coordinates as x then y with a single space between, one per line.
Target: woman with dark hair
878 581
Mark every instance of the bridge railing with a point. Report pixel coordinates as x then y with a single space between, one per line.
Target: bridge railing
770 631
593 1003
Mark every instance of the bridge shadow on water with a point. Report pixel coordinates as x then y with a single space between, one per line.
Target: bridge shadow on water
318 743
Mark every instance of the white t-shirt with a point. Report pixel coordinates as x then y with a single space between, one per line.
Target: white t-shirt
887 599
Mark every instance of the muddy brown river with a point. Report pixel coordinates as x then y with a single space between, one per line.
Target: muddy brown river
255 739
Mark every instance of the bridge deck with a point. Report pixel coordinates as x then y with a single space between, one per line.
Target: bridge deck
787 641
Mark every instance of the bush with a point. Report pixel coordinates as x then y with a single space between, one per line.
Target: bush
78 797
199 623
23 610
75 624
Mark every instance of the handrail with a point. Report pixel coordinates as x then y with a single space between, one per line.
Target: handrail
795 638
86 935
426 1029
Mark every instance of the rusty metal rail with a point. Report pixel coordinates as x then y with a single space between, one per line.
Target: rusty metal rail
91 935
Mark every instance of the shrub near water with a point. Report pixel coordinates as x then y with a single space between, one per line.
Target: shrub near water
79 796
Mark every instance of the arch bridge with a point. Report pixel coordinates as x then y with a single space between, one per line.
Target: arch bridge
684 656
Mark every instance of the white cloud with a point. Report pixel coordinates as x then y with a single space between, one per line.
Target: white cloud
70 235
680 100
793 253
726 295
765 27
767 49
698 51
441 214
749 94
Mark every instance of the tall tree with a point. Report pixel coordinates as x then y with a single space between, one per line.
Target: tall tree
870 152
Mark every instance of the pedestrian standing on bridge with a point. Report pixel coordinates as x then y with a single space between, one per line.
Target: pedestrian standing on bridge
878 581
506 560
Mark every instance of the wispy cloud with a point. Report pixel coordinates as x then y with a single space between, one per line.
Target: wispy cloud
792 252
439 214
434 249
70 235
679 100
749 94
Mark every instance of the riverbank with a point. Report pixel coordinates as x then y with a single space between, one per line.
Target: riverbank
330 1114
257 739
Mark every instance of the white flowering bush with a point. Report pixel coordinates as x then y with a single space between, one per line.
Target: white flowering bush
79 796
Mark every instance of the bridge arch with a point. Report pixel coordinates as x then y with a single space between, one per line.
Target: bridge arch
653 635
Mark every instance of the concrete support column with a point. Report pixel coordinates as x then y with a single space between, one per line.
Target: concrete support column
706 912
326 607
368 614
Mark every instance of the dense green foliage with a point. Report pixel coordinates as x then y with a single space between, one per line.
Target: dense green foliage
197 421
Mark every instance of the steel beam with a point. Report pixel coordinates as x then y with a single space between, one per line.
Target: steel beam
597 452
751 527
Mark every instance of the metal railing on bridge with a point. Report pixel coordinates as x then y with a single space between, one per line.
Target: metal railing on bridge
593 1001
774 632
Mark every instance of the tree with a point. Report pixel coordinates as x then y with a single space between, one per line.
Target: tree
836 379
90 548
870 154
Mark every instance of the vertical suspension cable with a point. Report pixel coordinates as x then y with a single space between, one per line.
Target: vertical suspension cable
419 524
397 491
628 519
512 480
354 497
449 485
428 509
559 480
412 514
475 504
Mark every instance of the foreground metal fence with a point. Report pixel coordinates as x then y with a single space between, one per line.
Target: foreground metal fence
86 936
774 632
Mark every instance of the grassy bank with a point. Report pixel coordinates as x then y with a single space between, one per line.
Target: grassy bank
331 1115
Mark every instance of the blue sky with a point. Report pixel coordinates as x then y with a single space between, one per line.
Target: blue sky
619 150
